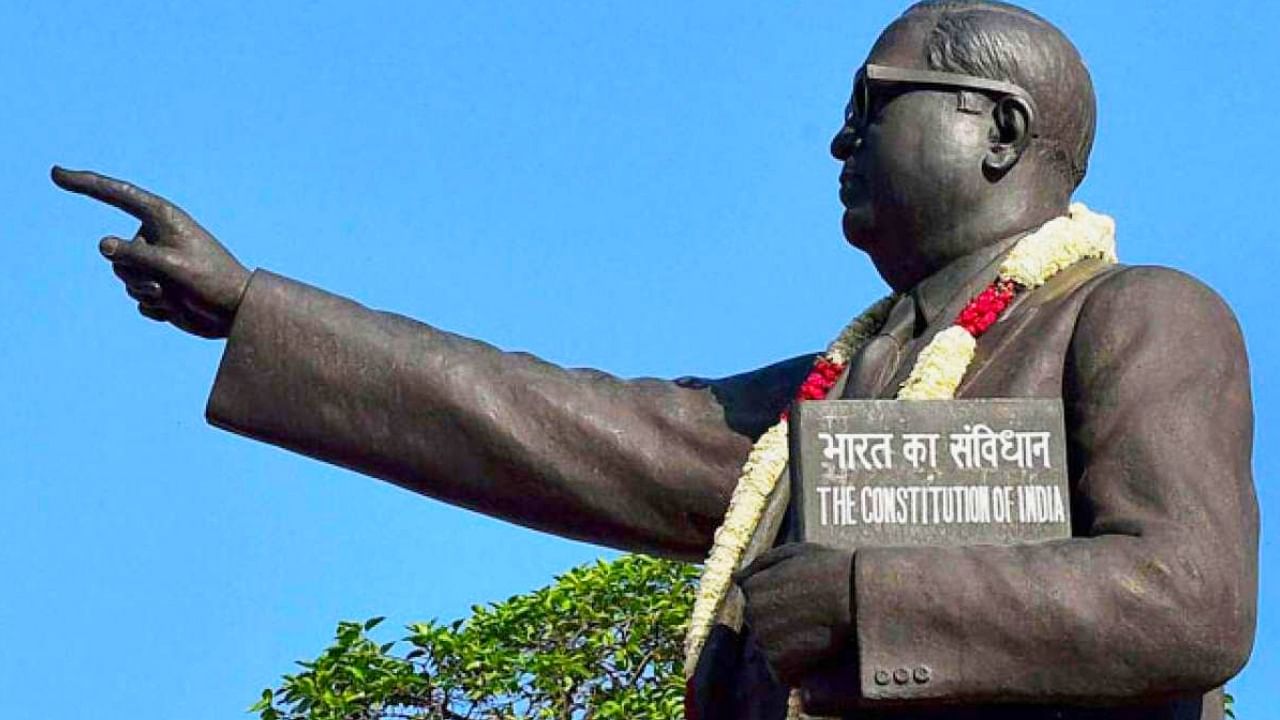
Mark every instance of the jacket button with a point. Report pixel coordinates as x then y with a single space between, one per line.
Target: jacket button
922 674
901 676
882 677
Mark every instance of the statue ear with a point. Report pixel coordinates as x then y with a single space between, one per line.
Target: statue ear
1014 118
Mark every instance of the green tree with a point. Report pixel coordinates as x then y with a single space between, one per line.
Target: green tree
602 641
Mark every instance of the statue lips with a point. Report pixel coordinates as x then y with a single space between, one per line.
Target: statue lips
848 196
853 196
852 188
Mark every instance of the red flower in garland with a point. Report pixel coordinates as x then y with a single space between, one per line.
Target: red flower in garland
818 384
976 318
983 311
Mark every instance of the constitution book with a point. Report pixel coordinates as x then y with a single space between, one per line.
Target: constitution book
944 472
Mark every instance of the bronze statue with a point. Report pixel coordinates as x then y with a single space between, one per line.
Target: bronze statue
970 125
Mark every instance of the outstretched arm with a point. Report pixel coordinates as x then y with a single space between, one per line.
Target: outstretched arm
642 464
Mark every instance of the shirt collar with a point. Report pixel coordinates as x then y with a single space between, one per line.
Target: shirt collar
965 276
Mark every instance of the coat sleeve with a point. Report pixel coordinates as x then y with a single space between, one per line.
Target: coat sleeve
644 464
1155 594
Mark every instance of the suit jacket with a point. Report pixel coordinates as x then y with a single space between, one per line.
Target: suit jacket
1147 609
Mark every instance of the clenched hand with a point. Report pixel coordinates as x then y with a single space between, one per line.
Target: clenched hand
799 606
174 268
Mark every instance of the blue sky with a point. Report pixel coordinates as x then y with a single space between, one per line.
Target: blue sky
639 187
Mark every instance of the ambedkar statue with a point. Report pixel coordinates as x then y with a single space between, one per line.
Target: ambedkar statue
969 128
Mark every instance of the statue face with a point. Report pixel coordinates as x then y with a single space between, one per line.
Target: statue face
912 160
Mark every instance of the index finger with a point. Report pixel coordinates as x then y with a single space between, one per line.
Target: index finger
124 195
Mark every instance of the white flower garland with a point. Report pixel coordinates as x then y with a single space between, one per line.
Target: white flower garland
759 476
938 371
1057 245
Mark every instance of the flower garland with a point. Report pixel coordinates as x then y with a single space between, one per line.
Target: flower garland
937 373
1057 245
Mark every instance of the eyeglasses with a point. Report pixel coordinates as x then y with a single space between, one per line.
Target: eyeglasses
872 81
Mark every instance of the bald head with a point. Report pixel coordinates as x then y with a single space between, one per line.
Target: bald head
969 123
999 41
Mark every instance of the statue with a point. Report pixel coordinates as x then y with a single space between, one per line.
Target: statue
969 128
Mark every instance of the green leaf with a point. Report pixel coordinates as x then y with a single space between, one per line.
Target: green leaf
263 703
603 640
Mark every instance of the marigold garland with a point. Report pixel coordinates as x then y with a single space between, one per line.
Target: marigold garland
937 373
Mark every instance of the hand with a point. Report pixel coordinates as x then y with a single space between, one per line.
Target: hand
799 605
174 268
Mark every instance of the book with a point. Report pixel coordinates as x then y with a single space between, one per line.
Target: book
945 472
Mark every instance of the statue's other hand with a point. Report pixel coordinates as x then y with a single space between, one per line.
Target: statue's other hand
799 606
174 268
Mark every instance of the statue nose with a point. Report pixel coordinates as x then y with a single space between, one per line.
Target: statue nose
844 143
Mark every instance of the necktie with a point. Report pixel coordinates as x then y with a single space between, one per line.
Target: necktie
877 361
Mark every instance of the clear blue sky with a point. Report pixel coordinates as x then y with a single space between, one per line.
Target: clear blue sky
639 187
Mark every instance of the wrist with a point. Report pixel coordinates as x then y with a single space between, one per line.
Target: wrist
230 292
240 287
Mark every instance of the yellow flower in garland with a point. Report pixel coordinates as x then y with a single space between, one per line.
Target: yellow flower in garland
941 366
759 475
1059 244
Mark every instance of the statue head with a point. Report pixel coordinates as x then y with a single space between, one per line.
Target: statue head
970 122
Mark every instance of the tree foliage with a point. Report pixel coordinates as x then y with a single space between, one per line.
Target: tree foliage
603 641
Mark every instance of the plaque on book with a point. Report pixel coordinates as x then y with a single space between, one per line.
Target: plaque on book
947 472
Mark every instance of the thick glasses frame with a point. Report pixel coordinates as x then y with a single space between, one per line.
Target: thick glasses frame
870 75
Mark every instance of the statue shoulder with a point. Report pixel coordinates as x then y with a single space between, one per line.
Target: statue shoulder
1152 291
1130 307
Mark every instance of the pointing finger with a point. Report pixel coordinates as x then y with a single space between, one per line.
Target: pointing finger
124 195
